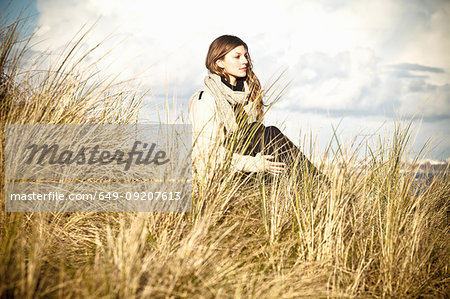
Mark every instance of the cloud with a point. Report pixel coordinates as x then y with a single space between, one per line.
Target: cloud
416 67
344 81
355 83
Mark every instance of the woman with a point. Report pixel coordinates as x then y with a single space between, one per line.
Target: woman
226 117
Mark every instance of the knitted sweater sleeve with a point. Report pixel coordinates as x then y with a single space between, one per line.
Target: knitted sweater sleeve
208 152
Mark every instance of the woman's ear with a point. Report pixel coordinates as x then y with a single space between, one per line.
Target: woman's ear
219 63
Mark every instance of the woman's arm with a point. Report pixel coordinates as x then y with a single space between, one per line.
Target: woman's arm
208 151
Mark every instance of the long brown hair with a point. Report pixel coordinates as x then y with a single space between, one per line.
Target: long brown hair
222 46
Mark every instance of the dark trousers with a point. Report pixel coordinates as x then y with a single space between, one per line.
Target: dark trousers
255 137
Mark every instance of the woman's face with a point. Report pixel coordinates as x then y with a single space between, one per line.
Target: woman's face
234 63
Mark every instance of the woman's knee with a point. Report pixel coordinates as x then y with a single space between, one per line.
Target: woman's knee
273 131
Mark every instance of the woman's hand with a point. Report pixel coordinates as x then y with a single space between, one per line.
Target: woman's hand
271 166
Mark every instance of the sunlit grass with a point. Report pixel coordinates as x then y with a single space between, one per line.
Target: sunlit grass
371 233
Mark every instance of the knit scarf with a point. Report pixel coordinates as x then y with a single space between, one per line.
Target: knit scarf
226 98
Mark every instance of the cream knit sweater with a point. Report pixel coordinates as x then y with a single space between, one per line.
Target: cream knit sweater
207 138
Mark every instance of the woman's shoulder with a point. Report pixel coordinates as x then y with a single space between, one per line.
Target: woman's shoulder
202 97
201 107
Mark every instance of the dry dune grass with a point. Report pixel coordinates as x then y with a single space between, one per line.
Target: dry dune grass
371 233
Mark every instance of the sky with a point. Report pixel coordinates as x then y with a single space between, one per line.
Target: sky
352 66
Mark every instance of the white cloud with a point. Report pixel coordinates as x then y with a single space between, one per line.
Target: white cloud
341 81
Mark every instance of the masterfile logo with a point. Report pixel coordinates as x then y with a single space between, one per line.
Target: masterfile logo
50 154
98 167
